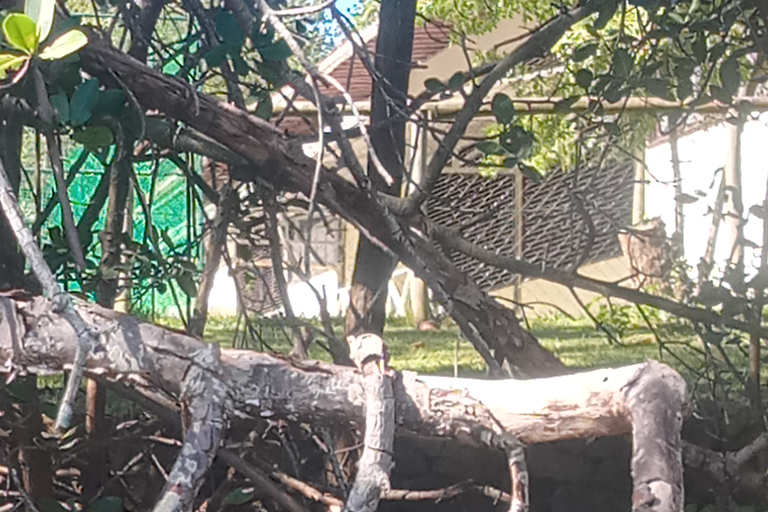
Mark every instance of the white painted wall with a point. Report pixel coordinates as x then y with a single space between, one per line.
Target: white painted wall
701 154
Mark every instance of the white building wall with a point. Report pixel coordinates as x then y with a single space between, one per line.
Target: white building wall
702 154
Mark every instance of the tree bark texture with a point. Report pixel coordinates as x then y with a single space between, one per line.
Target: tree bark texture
373 267
279 160
646 399
111 237
214 245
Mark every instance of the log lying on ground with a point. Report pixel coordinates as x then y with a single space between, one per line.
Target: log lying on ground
645 399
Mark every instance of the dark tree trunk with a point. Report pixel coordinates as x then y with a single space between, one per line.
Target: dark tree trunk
11 259
373 267
215 243
111 237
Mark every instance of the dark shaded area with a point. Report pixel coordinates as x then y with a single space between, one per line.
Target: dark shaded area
566 476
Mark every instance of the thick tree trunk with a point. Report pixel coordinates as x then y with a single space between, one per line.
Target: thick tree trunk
647 399
373 267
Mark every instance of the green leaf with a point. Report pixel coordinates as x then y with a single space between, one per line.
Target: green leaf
503 108
659 88
530 172
241 67
239 496
565 104
518 141
229 29
434 85
94 137
83 101
60 104
584 78
456 81
11 62
582 53
699 48
730 78
613 93
107 504
264 108
49 505
215 57
187 284
607 11
20 32
489 147
64 45
42 13
110 102
622 62
276 51
510 162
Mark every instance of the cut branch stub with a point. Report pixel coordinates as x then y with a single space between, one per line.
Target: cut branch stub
372 478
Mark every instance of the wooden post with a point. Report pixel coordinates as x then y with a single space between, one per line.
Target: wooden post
519 231
734 208
638 188
418 288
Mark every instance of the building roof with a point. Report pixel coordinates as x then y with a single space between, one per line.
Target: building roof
348 69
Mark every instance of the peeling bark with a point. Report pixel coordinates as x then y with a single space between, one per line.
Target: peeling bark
645 399
375 465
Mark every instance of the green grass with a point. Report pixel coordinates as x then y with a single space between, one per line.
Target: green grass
575 342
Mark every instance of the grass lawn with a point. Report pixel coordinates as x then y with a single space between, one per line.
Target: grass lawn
575 342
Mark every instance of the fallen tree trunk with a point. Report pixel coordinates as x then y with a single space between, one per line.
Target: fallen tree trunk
646 400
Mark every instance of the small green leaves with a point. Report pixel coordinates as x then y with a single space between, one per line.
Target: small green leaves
60 104
489 147
565 104
83 100
434 85
503 108
456 81
239 496
730 78
187 284
216 56
42 13
229 30
622 62
582 53
264 108
94 137
584 78
20 32
530 172
65 45
277 51
106 504
11 62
